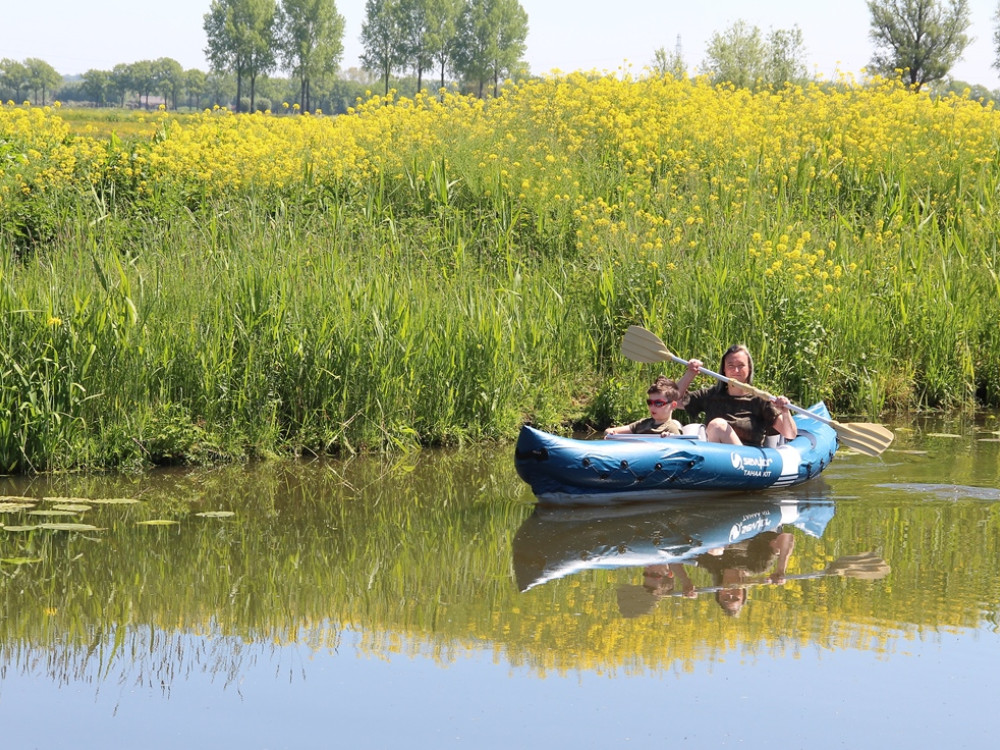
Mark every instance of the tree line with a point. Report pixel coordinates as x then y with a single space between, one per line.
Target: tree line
921 40
478 41
466 44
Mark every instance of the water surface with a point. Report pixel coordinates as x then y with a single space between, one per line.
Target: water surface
426 602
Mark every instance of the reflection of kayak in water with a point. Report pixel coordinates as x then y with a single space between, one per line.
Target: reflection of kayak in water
567 471
557 542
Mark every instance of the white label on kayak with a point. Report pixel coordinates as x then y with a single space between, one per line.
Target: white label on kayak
791 459
751 466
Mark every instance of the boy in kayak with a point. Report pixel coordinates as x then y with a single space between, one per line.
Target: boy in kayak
662 398
733 415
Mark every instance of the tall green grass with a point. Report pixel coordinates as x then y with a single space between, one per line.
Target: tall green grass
439 302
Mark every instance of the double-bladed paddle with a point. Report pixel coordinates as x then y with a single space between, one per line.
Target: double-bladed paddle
641 345
867 566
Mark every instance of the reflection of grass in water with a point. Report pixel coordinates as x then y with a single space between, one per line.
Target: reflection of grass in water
415 556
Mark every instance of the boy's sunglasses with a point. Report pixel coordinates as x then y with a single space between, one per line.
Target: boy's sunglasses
657 402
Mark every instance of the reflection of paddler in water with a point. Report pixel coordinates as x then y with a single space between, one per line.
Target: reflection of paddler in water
734 570
658 581
734 566
731 568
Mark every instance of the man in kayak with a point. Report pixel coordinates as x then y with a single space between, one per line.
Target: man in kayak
662 398
733 415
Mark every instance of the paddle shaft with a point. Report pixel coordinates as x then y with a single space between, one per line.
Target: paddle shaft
755 391
829 571
644 346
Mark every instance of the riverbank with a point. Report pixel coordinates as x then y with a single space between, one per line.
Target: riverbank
425 272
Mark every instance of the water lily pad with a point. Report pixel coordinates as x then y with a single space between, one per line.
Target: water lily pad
68 527
71 507
158 522
942 435
51 512
216 514
93 500
19 528
12 507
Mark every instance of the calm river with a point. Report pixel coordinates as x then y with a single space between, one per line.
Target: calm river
425 602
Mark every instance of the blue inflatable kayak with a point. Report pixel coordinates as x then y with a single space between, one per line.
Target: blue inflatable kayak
554 542
568 471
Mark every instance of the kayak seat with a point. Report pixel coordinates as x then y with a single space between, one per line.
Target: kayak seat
695 430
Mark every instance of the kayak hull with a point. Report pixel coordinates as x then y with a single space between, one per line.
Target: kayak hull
556 542
569 471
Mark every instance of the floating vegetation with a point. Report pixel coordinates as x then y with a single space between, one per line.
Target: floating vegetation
52 512
158 522
54 527
94 500
69 527
71 507
216 514
13 507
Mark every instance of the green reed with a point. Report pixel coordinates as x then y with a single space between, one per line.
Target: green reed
438 302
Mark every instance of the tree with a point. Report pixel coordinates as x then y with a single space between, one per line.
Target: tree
220 88
42 77
428 30
195 86
996 36
13 77
168 75
511 31
382 38
413 22
312 41
737 56
439 40
670 63
241 39
97 86
121 82
490 40
743 57
923 38
785 57
143 79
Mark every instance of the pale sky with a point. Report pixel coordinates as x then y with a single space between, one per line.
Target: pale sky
76 35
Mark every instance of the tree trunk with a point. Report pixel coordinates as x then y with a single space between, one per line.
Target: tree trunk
239 87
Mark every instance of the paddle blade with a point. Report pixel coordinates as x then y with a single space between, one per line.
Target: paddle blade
641 345
869 439
867 565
